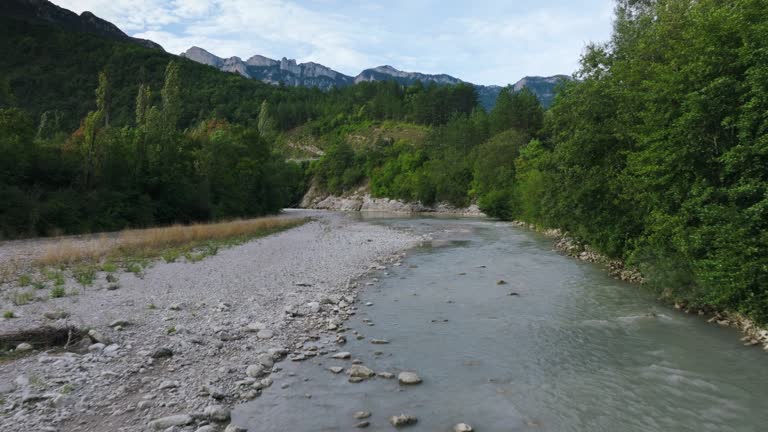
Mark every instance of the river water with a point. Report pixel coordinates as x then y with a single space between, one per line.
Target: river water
574 350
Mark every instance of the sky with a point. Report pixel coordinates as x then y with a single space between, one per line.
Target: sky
483 42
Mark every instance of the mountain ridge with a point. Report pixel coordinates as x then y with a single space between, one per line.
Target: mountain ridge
45 12
311 74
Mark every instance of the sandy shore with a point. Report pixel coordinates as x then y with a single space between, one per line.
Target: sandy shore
191 340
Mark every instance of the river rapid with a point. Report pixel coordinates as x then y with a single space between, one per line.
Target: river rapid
557 346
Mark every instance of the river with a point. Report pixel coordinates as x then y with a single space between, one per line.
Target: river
571 350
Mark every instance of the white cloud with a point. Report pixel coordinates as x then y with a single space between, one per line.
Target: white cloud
490 42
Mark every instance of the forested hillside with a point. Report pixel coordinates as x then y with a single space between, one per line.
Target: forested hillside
657 154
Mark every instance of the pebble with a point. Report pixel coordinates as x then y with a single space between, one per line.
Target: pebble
265 334
342 355
408 378
162 352
403 420
24 347
462 427
255 370
361 415
170 421
56 315
217 413
120 323
385 375
379 341
362 424
336 369
360 371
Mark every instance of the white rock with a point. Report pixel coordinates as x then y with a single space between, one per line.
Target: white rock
24 347
408 378
342 355
255 370
462 427
360 371
170 421
217 413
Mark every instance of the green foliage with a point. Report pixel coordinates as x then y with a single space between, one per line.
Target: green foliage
20 298
25 280
8 314
58 292
84 274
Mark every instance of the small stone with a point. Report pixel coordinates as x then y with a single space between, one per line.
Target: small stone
360 371
56 315
408 378
98 337
265 334
120 323
500 282
111 278
361 415
266 360
379 341
234 428
206 428
402 420
174 307
217 413
214 392
112 286
462 427
168 384
342 355
24 347
255 327
362 424
336 369
162 352
255 370
355 380
170 421
385 375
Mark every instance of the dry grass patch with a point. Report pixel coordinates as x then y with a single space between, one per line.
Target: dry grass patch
174 240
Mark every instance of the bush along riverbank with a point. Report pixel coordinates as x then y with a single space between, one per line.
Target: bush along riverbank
754 334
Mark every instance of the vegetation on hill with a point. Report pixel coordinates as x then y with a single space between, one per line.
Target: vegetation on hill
658 154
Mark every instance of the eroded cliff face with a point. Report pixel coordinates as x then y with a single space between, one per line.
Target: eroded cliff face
361 200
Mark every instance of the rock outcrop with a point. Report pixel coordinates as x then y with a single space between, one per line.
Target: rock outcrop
362 201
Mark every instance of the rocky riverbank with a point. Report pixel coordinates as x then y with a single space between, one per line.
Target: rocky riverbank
178 345
361 200
753 334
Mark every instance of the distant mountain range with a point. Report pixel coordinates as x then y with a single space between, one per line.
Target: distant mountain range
310 74
45 12
261 68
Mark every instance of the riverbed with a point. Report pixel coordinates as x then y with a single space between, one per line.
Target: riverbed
509 335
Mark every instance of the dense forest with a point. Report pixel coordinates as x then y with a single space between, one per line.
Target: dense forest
657 154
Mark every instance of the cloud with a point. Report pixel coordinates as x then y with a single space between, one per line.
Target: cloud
490 42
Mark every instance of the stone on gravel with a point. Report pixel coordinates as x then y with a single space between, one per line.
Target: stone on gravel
206 428
255 370
402 420
385 375
217 413
112 286
361 415
265 334
462 427
120 323
408 378
267 360
360 371
170 421
255 327
24 347
56 315
97 347
162 352
98 337
342 355
362 424
336 369
379 341
234 428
